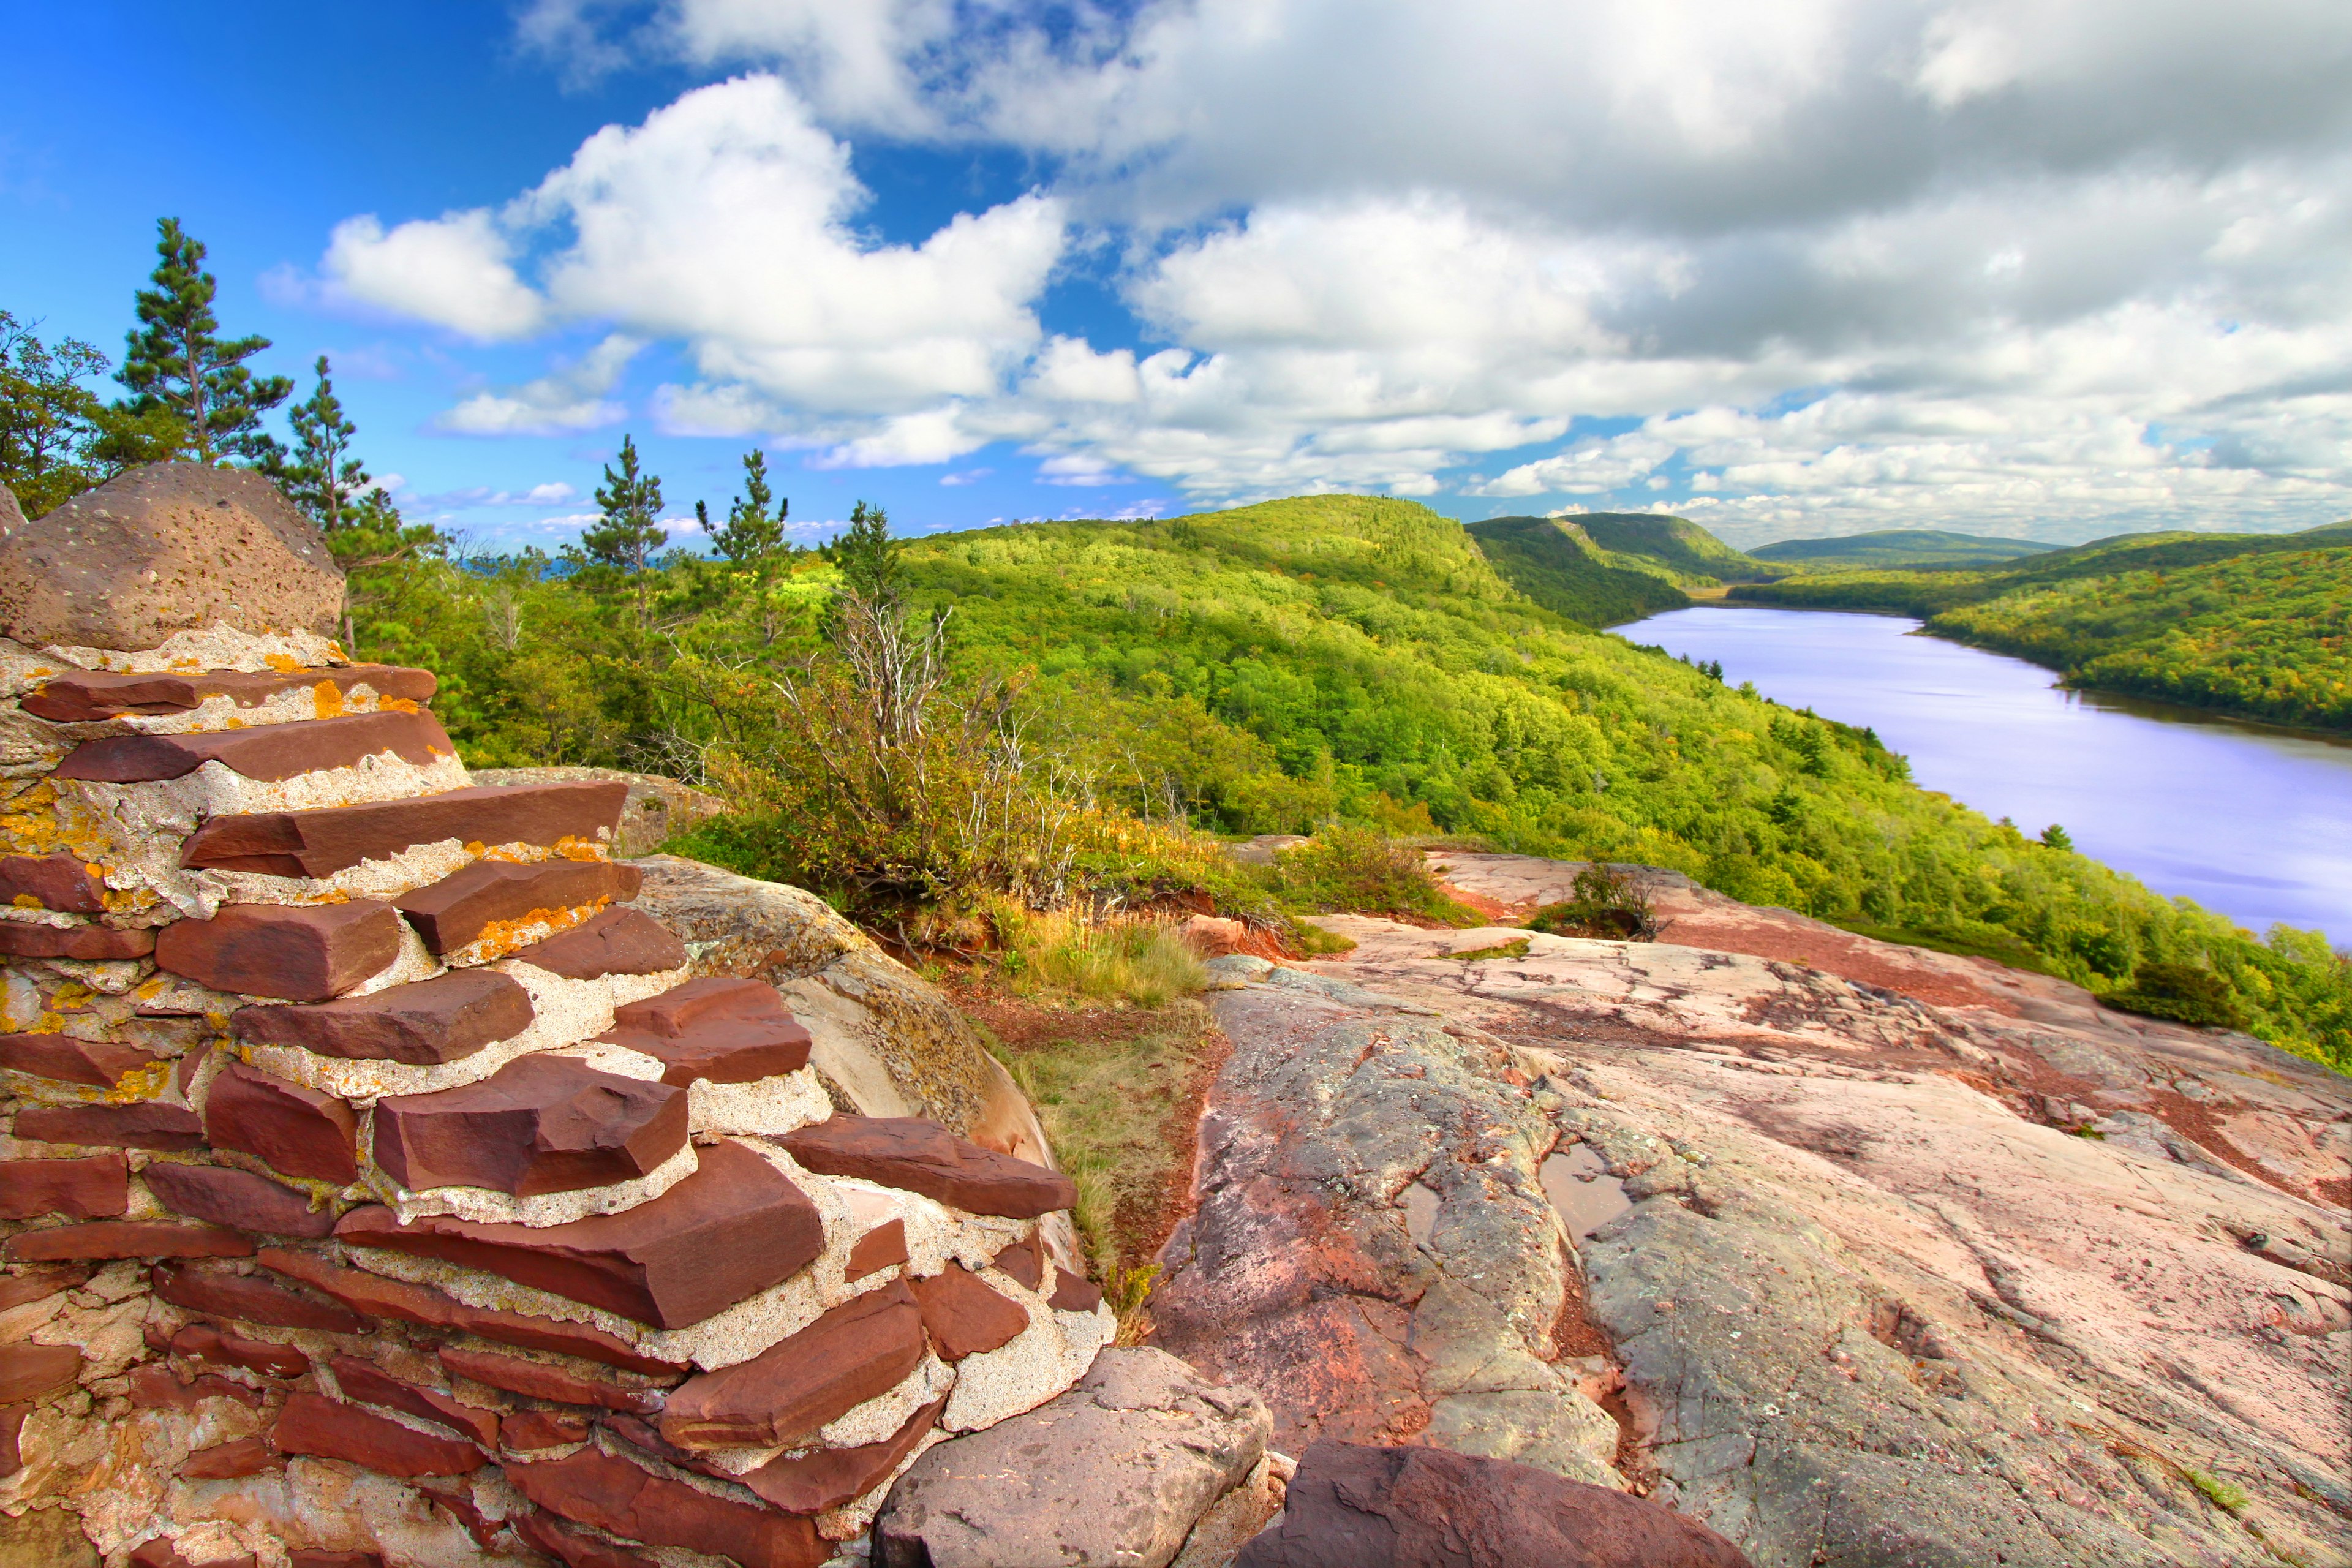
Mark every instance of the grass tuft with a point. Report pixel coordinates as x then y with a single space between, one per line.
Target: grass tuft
1144 964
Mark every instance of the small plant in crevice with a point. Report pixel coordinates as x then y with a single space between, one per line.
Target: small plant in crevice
1604 902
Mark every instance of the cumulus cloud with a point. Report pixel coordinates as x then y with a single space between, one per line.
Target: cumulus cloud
574 398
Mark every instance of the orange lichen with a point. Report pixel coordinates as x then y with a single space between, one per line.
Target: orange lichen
500 938
572 847
283 663
329 698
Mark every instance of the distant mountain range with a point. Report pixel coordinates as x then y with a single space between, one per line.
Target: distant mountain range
1895 547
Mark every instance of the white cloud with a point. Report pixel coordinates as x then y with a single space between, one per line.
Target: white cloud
571 398
455 271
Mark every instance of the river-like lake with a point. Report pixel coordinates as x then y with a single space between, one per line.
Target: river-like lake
2250 821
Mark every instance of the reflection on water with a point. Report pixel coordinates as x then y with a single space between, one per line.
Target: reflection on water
1578 1182
2249 820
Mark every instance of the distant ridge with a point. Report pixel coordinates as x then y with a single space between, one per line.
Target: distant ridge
1606 568
1896 547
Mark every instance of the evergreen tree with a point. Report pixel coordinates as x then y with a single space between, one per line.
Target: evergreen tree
321 477
750 533
631 501
868 559
178 363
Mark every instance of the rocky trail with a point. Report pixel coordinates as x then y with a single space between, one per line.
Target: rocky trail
1863 1255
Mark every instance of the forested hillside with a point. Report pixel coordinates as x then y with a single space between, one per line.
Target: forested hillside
1894 547
1555 563
1267 669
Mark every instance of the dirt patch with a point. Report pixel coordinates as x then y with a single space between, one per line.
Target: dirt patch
1849 957
1495 912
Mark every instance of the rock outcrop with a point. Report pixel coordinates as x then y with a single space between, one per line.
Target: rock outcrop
656 810
381 1187
1995 1276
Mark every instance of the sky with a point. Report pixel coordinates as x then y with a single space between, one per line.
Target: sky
2054 269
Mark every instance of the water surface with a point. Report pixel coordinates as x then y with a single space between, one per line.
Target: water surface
2250 821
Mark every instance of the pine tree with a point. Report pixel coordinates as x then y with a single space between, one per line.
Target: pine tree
868 559
321 477
631 501
177 363
750 533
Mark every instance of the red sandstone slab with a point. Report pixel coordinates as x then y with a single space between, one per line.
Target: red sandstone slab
528 1429
322 842
539 1380
593 1487
236 1198
40 1284
864 1347
301 1131
879 1248
165 1129
99 1063
12 1432
124 1238
1073 1294
313 1557
454 911
371 1384
1023 1261
161 1553
715 1028
28 1371
304 953
267 752
825 1481
153 1387
81 697
97 1187
228 1461
249 1298
312 1424
964 1316
52 881
539 1124
380 1298
572 1547
203 1343
733 1229
88 944
618 942
922 1156
424 1023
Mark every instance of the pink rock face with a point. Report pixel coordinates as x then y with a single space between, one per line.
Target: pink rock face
539 1124
715 1029
300 1132
924 1157
81 697
964 1316
453 912
422 1023
733 1227
303 953
863 1348
270 751
322 842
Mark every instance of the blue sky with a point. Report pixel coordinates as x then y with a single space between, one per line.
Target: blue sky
1843 264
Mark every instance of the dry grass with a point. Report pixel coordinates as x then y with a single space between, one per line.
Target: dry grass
1058 953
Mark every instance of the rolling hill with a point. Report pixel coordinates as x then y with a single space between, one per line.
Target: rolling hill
1894 547
1555 563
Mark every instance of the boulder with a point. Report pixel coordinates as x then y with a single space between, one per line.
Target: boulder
1118 1469
165 548
1355 1506
657 807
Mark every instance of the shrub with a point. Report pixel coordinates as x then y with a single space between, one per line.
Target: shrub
1359 871
1603 901
2180 992
1141 962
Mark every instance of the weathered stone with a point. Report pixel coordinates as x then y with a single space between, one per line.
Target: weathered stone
97 1187
28 1371
456 910
125 1238
542 1380
44 1537
322 842
863 1348
166 1129
268 751
312 1424
884 1247
539 1124
734 1227
719 1030
1118 1470
422 1023
82 696
38 1284
618 942
165 548
595 1489
923 1157
227 1461
964 1316
12 1431
160 1552
299 1131
658 809
57 881
371 1384
251 1299
99 1063
572 1547
153 1387
1072 1293
304 953
381 1298
528 1429
1023 1261
822 1480
312 1557
202 1342
236 1198
88 944
1353 1506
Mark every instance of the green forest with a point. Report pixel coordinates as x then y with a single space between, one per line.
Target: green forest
1894 547
2248 624
1063 714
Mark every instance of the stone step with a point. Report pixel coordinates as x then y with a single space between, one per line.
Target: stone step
81 697
268 751
334 839
539 1124
715 1029
424 1023
454 911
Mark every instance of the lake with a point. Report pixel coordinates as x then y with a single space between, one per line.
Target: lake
2248 820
